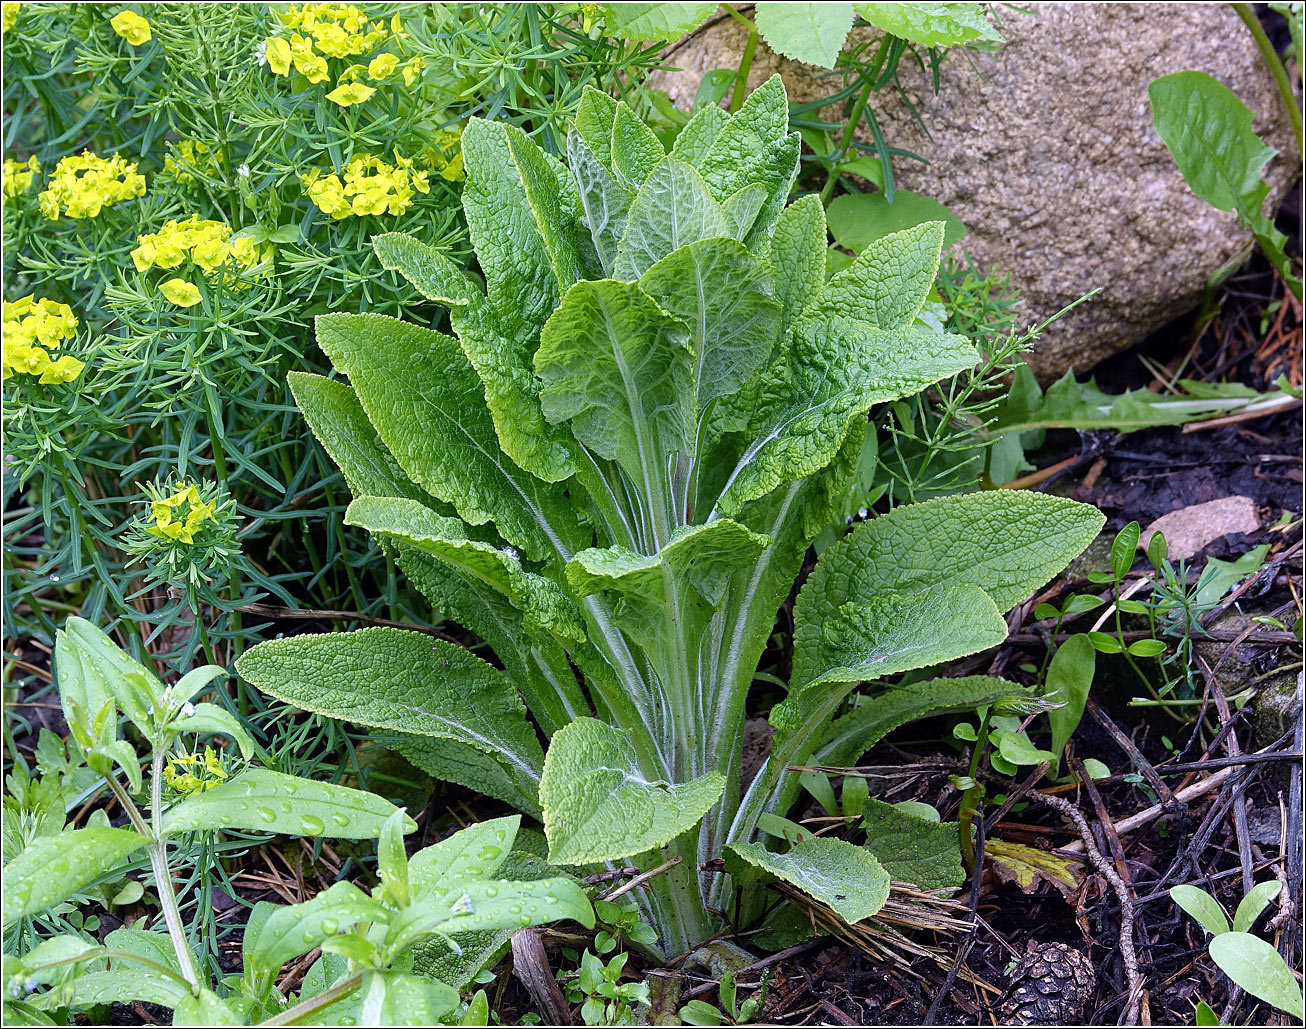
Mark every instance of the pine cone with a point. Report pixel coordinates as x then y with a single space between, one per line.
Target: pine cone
1051 985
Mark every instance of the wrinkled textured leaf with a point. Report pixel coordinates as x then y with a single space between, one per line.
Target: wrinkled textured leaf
672 209
913 850
726 297
799 247
858 731
663 22
428 405
889 282
405 681
845 878
597 805
1006 542
619 370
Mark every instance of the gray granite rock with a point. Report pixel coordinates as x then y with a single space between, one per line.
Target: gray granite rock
1046 150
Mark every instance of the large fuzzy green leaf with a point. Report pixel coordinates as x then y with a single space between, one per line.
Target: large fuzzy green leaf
636 151
518 225
597 805
845 878
405 681
428 405
503 364
727 298
604 200
799 248
672 209
705 556
811 33
543 603
51 869
890 280
833 372
912 849
755 146
451 761
1006 542
340 424
660 22
619 370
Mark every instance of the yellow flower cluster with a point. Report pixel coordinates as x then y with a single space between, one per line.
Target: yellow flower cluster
131 27
340 31
194 773
207 243
84 184
192 155
371 186
9 17
32 328
18 175
445 155
180 516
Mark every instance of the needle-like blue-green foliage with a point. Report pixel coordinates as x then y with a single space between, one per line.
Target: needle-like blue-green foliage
613 473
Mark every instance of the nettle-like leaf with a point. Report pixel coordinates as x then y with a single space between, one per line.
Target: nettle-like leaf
612 471
811 33
845 878
597 805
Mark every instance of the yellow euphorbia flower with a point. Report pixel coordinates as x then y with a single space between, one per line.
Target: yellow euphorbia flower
382 66
32 328
132 27
82 185
19 175
10 16
353 93
370 187
194 773
181 293
181 515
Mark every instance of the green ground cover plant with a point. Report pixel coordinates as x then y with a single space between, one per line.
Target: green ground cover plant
612 472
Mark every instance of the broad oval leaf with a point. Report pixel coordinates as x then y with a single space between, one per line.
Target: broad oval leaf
405 681
1259 969
1202 906
931 24
597 804
811 33
845 878
297 928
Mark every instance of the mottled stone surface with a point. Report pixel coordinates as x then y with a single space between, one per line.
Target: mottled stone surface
1046 150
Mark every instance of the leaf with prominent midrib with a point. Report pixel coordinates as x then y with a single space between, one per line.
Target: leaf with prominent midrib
672 208
261 800
597 805
543 603
798 247
911 849
604 200
833 371
1006 542
855 733
811 33
845 878
512 393
619 369
727 298
890 281
395 679
428 405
